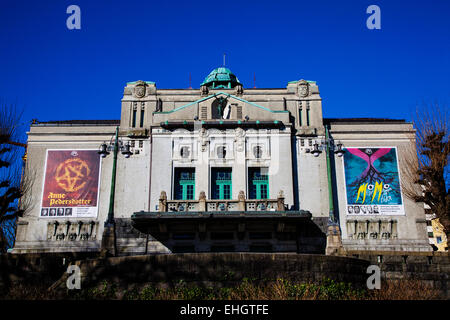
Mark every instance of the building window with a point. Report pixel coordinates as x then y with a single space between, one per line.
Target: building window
221 183
141 120
183 249
302 142
258 183
221 152
430 234
307 115
310 142
222 236
184 152
257 152
133 124
438 239
183 236
300 110
428 222
184 184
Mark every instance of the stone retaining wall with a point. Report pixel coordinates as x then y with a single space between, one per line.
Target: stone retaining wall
217 269
225 269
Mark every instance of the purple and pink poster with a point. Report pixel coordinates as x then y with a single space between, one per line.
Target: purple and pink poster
372 181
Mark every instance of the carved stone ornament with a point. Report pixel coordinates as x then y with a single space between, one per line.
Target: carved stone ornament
239 89
240 133
203 139
239 139
139 89
204 90
303 88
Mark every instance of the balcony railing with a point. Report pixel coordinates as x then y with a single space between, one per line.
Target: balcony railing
203 204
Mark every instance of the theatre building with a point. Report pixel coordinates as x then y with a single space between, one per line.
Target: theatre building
220 168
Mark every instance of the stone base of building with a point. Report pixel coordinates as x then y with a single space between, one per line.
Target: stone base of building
231 237
21 247
392 245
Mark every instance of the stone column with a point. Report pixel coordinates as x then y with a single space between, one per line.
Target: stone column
202 201
280 201
202 168
109 247
239 167
163 202
241 203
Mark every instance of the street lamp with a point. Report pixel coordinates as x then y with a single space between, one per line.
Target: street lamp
109 238
106 148
330 145
316 151
337 148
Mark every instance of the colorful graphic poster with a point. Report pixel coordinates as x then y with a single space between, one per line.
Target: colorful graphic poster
372 181
71 184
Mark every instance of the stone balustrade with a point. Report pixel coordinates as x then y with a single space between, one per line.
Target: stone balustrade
203 204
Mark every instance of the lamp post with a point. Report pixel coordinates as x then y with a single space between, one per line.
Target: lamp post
109 234
329 145
334 240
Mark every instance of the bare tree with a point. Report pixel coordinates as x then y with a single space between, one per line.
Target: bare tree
426 163
15 179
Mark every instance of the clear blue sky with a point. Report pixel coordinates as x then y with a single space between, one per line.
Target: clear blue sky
59 74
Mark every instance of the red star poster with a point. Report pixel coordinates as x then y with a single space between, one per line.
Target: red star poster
71 184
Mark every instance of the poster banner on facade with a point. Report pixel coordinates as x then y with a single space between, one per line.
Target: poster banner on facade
372 181
71 184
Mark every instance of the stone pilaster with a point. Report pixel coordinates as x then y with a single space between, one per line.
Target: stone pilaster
109 247
334 241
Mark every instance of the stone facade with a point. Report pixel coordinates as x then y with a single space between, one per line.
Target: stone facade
235 129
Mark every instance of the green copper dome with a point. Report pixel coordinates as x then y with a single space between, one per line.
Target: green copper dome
221 78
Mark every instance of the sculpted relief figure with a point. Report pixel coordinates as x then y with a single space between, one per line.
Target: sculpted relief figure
226 112
204 90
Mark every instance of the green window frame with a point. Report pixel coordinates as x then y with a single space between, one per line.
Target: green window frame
184 184
221 183
258 183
